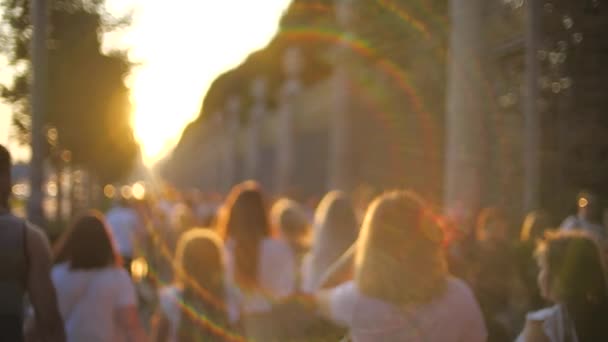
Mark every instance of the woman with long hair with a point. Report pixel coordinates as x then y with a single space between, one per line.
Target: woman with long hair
194 308
96 297
257 263
572 276
402 290
335 230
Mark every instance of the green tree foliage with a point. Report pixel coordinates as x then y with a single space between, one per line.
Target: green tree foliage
88 101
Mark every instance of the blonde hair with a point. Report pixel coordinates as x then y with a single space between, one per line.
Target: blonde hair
200 273
534 226
335 230
400 258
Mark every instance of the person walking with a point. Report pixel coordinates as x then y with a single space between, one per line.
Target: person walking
126 226
402 290
96 296
25 268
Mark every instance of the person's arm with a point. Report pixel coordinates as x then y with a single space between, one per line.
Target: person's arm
40 287
323 300
125 307
128 318
340 271
160 327
337 304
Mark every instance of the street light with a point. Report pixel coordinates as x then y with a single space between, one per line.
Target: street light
39 17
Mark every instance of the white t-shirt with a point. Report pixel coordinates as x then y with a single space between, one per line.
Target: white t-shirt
89 299
276 275
124 224
169 301
555 327
574 222
454 316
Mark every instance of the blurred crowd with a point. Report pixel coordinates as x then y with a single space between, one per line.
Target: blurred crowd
202 267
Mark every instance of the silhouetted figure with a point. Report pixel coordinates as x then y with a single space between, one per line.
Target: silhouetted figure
573 277
496 280
96 296
126 227
25 266
402 290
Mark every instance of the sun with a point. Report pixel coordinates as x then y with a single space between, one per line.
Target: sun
180 50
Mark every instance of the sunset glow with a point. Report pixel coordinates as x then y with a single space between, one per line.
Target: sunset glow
182 48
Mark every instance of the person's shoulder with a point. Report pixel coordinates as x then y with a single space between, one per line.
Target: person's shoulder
116 275
543 314
59 271
38 245
570 222
458 285
457 289
347 289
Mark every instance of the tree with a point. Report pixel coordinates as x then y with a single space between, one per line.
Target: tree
89 103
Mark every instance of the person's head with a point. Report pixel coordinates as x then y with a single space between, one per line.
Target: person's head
572 269
244 213
587 206
491 226
291 221
5 176
573 274
400 257
335 227
534 226
199 267
245 221
200 264
88 244
182 218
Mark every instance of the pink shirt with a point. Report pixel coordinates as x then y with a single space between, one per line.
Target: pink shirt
453 316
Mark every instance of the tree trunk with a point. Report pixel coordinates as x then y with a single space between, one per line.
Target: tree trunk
465 112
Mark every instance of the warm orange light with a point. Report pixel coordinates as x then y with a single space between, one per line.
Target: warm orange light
177 61
138 190
109 191
139 269
126 192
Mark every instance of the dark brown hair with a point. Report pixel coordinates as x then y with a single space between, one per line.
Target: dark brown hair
486 217
245 221
577 279
88 244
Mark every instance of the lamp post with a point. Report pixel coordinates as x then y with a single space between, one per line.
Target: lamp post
38 100
292 64
464 112
532 121
256 117
339 128
231 130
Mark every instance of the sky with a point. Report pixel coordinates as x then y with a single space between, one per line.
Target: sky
181 48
